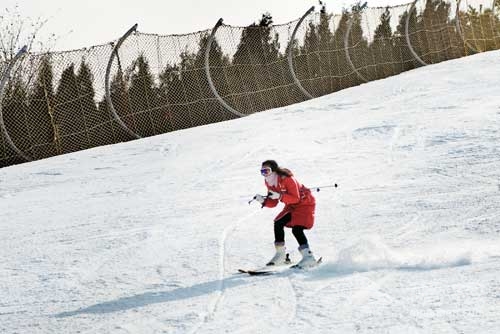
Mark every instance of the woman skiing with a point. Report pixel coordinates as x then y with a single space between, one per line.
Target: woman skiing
298 213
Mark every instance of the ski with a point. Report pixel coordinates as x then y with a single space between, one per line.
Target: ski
267 270
271 270
256 272
264 271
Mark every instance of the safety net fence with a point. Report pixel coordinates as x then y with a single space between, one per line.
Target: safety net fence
147 84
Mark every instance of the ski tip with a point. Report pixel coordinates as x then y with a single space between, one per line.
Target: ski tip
256 272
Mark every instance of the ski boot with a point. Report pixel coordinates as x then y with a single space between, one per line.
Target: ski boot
281 257
308 259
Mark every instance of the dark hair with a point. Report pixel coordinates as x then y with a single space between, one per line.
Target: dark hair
276 168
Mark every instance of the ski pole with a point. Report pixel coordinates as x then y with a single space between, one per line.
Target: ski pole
317 189
322 187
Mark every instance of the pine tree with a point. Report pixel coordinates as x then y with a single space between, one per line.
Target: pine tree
172 99
256 50
142 97
433 22
41 122
359 51
93 118
382 47
406 58
481 29
120 99
69 116
293 94
347 78
321 59
490 24
327 61
311 64
191 72
219 64
14 111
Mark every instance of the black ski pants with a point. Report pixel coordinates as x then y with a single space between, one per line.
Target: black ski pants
279 230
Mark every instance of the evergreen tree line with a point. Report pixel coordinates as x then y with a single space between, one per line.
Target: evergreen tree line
44 119
323 67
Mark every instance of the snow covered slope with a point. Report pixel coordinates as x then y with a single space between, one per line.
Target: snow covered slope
146 236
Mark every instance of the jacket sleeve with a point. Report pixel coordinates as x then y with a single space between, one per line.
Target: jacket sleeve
292 194
270 203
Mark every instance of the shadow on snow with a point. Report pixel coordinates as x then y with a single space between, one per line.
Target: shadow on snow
149 298
327 270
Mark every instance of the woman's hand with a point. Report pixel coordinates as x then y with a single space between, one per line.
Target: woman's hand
259 198
273 195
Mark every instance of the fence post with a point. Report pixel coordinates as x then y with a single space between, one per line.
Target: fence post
209 76
346 41
107 85
3 82
290 58
407 34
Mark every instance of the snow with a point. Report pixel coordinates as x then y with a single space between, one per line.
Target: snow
147 236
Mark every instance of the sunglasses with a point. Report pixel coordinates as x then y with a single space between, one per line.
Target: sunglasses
265 171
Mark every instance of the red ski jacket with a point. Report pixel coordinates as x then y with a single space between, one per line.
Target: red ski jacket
298 200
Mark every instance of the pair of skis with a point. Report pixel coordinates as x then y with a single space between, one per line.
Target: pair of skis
270 270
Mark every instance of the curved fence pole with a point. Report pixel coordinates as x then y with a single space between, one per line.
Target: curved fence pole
209 76
459 26
5 77
494 15
407 35
107 85
290 58
346 42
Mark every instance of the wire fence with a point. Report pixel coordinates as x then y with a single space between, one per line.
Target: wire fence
148 84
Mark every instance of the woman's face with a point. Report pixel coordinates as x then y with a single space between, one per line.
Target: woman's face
265 170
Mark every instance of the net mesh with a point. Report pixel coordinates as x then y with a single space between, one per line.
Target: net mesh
55 103
255 75
479 25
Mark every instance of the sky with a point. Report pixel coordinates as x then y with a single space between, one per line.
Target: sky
79 24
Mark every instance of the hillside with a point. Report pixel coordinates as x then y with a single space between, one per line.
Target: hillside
147 236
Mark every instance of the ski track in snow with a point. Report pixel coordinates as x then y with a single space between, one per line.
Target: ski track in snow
215 304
